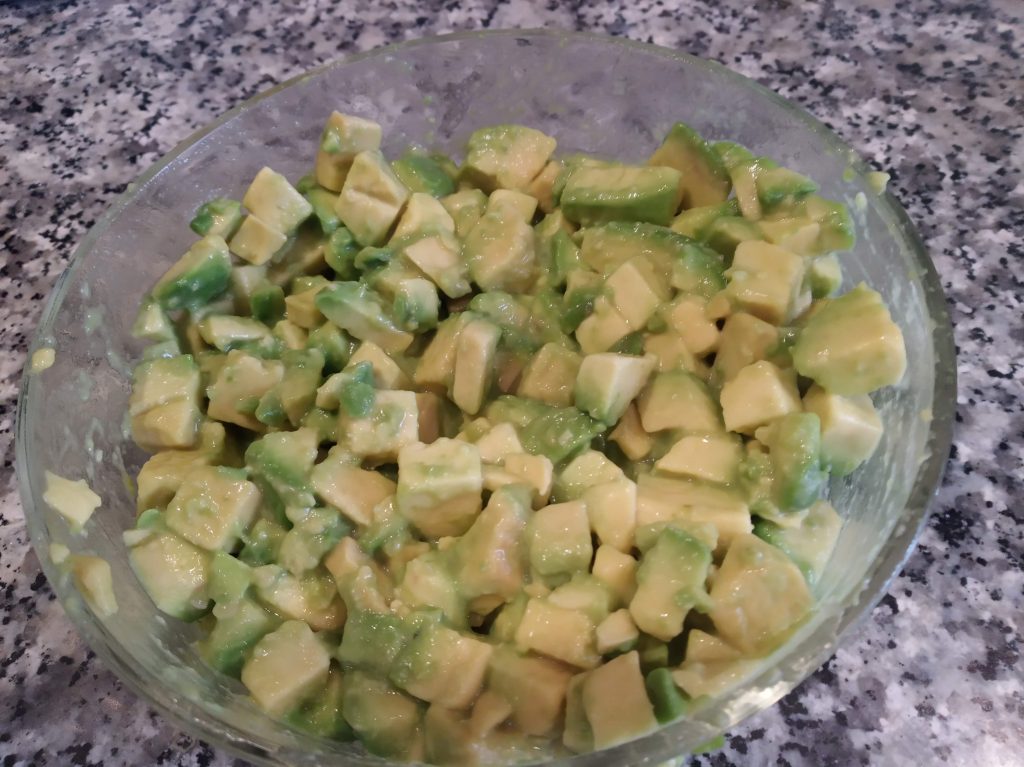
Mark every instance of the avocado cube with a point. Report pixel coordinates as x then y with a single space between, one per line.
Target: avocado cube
635 291
283 460
695 222
315 533
617 571
824 276
239 626
219 217
286 667
559 633
794 443
711 514
198 277
92 578
162 474
726 233
512 204
500 251
585 593
687 317
556 433
391 424
152 323
386 372
311 598
73 500
611 509
172 425
386 720
709 457
505 157
323 204
678 400
372 641
160 381
758 394
423 215
343 137
213 507
542 186
603 329
322 715
617 633
607 383
225 332
559 539
744 340
589 468
275 202
423 175
670 581
764 280
708 648
834 226
534 687
352 490
371 198
428 583
669 703
536 471
758 596
438 256
810 543
230 578
442 666
577 735
850 428
174 573
440 486
850 345
241 380
358 310
499 442
465 207
704 179
474 364
615 702
301 310
550 375
256 241
595 194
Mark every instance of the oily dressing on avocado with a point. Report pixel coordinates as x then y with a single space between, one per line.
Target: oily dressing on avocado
528 455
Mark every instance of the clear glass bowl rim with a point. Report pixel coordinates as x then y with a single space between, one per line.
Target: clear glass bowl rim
854 608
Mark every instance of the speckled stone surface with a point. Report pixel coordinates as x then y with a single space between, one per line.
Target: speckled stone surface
94 92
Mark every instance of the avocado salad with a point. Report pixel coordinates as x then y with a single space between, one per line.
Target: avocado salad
485 462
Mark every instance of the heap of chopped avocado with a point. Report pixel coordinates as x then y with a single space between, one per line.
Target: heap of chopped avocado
468 461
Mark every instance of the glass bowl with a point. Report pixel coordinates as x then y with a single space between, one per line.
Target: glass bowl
595 94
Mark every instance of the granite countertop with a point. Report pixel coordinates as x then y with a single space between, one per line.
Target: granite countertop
95 92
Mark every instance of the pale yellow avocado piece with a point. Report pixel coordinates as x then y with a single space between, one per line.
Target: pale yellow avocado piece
714 515
686 315
300 309
516 204
758 595
671 351
500 441
765 280
393 423
616 703
465 207
343 137
72 499
850 428
558 537
474 364
444 667
630 436
617 633
221 331
704 648
386 372
353 491
542 186
565 635
550 375
213 507
712 678
276 202
345 559
576 735
607 383
611 509
534 688
429 416
537 471
256 241
506 156
162 381
586 470
437 363
616 570
423 214
93 579
744 340
290 334
500 251
242 378
489 559
678 400
757 395
170 426
636 291
312 597
439 257
710 457
173 572
797 235
440 486
371 199
286 667
600 331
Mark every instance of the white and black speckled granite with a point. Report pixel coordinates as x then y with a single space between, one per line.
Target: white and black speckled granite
94 92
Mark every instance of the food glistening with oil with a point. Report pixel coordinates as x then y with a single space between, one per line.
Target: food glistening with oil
523 456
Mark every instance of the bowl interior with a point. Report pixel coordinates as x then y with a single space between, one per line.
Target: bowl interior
593 94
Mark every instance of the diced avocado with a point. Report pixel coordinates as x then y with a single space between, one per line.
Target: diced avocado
438 256
200 276
72 499
616 703
824 276
489 559
630 436
678 400
297 390
669 703
465 207
617 633
372 641
559 633
354 491
835 228
810 543
542 186
225 332
387 530
371 198
174 573
169 426
284 460
794 444
428 583
764 280
695 222
500 252
311 598
230 578
239 384
744 340
391 424
286 667
616 570
577 735
161 382
731 153
334 344
758 595
152 323
267 303
710 457
563 257
322 714
850 345
276 202
340 253
595 195
589 468
239 626
777 186
725 233
605 248
213 507
257 242
423 215
607 383
611 509
262 543
353 390
635 291
323 204
343 137
559 539
442 666
670 582
92 578
534 687
387 721
510 313
439 486
357 309
505 157
603 329
550 375
704 179
850 428
744 175
758 394
585 593
421 173
554 432
219 217
315 533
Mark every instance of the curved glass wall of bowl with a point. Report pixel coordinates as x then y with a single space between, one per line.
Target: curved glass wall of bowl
596 95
